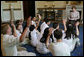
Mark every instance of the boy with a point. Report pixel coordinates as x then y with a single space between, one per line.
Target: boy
11 41
59 48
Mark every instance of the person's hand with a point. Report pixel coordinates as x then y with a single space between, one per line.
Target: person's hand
28 21
39 16
12 23
64 21
37 24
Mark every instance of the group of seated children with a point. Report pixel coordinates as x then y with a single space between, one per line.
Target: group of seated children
49 39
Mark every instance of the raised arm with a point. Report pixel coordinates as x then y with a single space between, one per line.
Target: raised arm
26 29
37 24
39 16
50 32
14 29
47 41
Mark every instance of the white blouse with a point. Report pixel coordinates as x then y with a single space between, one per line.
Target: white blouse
59 49
43 27
9 44
34 38
74 15
18 33
41 48
71 42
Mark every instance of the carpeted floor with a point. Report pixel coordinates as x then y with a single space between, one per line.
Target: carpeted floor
77 52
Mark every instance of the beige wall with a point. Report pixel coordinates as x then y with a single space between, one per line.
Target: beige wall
58 4
15 5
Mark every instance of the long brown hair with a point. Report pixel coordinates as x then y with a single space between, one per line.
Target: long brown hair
74 7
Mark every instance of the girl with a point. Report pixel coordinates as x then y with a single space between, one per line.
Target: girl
20 22
41 47
18 27
55 26
44 25
59 48
70 36
33 36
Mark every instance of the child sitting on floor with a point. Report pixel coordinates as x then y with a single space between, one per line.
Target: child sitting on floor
11 41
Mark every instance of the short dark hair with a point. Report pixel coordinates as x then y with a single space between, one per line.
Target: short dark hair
32 18
17 22
32 27
73 7
17 25
46 20
58 34
55 25
45 35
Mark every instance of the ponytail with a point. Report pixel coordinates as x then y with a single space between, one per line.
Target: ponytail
29 35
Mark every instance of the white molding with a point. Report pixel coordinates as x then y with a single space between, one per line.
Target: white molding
7 14
22 10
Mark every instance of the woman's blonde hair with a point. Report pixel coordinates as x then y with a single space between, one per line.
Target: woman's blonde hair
4 28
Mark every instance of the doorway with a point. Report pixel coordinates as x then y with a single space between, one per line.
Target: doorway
29 9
